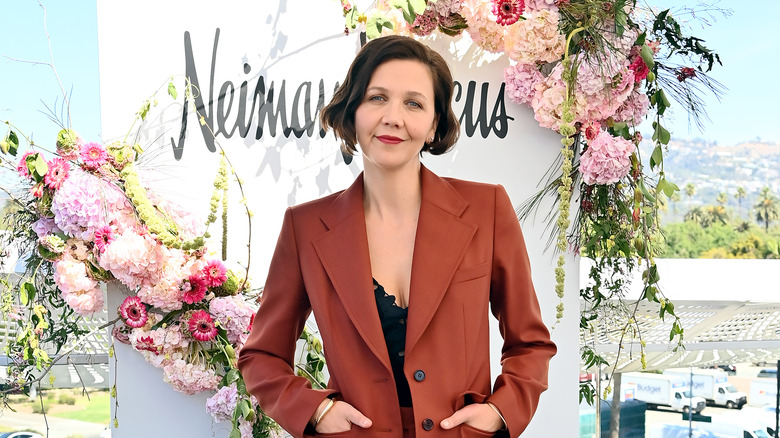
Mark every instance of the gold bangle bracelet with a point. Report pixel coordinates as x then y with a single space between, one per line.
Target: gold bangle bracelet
324 411
492 406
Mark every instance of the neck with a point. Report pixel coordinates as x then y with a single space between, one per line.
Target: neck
392 195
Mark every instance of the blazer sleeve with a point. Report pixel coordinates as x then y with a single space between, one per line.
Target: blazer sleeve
527 347
267 359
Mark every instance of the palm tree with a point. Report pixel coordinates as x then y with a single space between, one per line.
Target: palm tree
722 199
739 196
767 208
690 190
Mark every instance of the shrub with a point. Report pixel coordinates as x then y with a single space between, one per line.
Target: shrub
65 399
37 409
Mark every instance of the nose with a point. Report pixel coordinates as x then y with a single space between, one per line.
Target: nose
393 114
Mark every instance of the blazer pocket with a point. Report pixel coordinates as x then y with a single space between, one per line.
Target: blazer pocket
335 434
471 273
471 431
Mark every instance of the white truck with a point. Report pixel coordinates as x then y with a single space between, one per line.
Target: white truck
763 392
709 430
712 385
663 390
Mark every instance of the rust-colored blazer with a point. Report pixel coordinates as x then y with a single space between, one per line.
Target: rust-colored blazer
469 252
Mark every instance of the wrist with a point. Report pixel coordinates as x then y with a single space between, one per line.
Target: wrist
503 421
322 410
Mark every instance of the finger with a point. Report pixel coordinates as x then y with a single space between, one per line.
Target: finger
458 417
357 418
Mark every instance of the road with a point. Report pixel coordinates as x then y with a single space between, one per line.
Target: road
58 427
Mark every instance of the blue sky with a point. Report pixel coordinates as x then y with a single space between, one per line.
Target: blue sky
745 41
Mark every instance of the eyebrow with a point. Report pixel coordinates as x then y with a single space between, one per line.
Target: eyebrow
415 94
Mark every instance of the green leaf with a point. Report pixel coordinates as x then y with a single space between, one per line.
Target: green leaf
40 168
232 376
144 109
13 143
661 134
235 433
668 188
647 56
417 6
376 23
650 293
646 192
657 157
172 90
664 99
27 293
352 18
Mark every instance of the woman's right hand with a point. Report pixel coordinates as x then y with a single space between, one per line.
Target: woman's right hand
340 418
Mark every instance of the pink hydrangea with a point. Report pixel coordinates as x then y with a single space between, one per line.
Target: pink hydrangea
129 258
233 313
57 174
445 8
86 202
607 159
521 80
85 302
634 109
160 346
164 293
538 5
44 226
482 26
93 155
222 405
190 378
604 88
71 276
425 24
536 39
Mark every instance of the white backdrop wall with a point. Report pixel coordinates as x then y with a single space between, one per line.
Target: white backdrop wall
235 53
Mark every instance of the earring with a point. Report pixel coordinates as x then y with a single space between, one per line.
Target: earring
430 140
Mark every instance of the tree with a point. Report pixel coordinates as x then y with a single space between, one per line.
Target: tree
739 196
767 208
690 190
723 198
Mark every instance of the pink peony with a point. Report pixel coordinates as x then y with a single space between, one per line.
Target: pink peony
57 174
607 159
507 11
133 312
521 80
70 275
130 258
214 273
93 155
202 326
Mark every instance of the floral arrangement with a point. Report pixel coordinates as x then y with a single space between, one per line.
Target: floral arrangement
592 70
83 218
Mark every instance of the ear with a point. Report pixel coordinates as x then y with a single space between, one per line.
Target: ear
432 132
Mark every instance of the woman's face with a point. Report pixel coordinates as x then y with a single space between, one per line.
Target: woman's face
397 115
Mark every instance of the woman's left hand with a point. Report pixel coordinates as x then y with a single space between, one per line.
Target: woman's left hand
479 415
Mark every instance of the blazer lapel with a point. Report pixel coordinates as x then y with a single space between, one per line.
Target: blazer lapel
440 244
343 252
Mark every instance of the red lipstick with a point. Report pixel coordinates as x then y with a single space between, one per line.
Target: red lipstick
389 139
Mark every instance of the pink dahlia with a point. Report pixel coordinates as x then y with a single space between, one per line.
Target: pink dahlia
93 155
202 326
22 166
214 273
508 11
37 190
103 236
640 69
57 174
194 289
146 343
133 312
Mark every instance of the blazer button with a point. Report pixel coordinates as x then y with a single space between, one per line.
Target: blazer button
419 375
427 424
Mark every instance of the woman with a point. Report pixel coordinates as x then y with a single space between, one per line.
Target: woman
411 358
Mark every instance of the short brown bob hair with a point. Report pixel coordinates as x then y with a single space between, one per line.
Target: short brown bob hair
339 114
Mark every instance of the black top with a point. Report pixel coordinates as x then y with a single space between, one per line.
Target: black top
393 319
